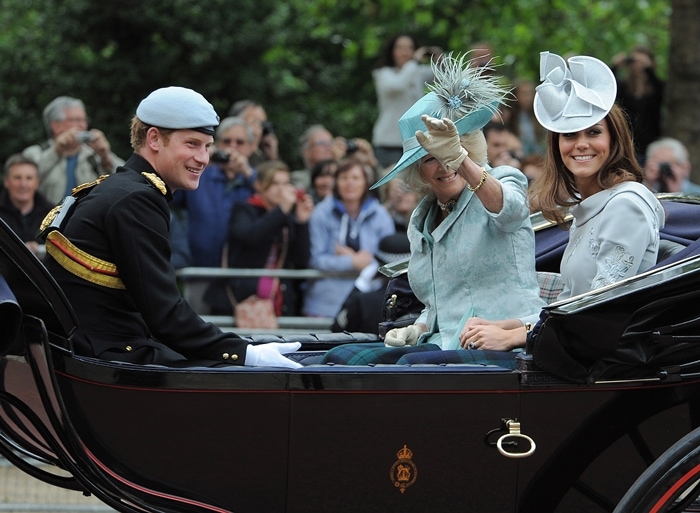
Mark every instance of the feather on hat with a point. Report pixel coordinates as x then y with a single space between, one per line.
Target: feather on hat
468 95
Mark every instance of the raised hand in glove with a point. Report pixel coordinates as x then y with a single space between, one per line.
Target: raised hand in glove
442 142
272 355
399 337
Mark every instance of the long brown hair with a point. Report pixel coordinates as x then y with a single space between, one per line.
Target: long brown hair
556 190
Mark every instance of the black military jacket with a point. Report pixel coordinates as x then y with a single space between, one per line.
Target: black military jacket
125 220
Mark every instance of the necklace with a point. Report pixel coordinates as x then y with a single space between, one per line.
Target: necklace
448 206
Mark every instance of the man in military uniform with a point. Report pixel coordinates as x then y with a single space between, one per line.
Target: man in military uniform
108 248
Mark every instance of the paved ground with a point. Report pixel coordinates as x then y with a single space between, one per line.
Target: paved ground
21 493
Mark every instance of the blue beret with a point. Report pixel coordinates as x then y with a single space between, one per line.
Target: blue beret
178 108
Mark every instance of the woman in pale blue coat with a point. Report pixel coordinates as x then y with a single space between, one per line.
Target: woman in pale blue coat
472 245
345 229
475 262
591 171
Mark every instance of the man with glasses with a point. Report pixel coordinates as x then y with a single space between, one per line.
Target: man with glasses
667 167
227 180
266 144
73 155
317 144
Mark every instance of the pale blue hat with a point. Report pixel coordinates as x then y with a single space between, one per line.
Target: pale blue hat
178 108
573 98
460 92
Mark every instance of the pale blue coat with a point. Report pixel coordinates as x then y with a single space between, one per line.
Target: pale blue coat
614 235
325 297
478 263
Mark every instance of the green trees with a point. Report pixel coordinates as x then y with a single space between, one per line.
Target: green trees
307 61
682 105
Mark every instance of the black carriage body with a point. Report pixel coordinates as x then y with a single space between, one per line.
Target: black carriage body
253 441
323 438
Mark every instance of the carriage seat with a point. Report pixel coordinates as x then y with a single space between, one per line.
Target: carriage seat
668 248
10 319
551 284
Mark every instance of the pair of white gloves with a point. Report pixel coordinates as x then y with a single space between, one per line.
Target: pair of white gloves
272 355
442 141
400 337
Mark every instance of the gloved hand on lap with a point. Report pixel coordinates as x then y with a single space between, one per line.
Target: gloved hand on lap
272 355
399 337
442 141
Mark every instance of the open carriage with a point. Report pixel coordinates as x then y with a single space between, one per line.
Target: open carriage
621 387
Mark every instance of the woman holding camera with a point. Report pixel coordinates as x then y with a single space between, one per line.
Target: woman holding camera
345 229
399 80
269 230
640 93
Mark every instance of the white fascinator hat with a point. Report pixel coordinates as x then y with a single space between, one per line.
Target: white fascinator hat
574 97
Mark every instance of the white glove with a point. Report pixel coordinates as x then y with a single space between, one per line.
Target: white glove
442 142
271 355
399 337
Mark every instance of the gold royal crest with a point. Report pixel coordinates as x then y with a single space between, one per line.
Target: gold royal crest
403 472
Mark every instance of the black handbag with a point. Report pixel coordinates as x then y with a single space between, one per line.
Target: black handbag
401 306
639 327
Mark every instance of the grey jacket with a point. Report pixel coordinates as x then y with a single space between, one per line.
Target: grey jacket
52 168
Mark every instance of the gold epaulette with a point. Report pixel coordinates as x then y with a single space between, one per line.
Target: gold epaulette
48 219
75 192
88 185
82 264
157 181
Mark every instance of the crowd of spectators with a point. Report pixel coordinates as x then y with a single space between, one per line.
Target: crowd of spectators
249 203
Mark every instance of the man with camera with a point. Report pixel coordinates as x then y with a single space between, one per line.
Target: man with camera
503 147
72 155
640 93
266 144
228 179
667 167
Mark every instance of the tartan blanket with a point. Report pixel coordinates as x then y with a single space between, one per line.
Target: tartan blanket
376 353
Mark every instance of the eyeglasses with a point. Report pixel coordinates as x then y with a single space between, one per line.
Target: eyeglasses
238 142
76 120
325 144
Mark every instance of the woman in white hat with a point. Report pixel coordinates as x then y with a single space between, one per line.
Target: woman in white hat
472 245
591 171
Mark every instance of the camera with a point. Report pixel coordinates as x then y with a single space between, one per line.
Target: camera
220 156
267 128
514 155
301 194
84 137
665 170
350 147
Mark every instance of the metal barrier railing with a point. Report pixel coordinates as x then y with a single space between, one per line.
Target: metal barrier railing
194 280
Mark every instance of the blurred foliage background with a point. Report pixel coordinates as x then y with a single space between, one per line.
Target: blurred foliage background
306 61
